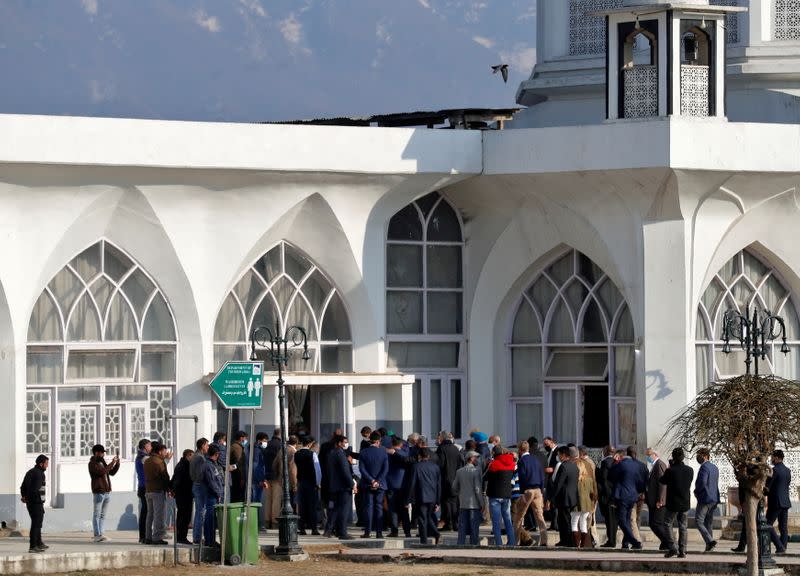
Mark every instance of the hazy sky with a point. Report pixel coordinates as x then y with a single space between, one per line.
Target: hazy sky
251 60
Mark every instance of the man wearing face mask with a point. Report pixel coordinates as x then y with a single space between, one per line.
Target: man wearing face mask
341 486
259 474
237 464
656 492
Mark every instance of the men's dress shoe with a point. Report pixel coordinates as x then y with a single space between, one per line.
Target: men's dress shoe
315 532
148 542
780 552
609 545
364 536
347 537
35 550
625 547
159 543
184 542
738 549
394 534
681 554
637 546
44 546
407 535
301 532
379 536
711 545
670 553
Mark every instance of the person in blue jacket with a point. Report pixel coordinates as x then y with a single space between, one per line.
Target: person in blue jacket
211 481
630 482
396 482
142 452
425 492
373 464
706 491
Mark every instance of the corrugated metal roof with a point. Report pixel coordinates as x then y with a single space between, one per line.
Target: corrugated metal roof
454 118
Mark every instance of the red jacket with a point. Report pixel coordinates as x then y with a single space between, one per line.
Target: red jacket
502 462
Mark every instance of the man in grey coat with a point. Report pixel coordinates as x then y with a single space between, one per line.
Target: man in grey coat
468 488
656 492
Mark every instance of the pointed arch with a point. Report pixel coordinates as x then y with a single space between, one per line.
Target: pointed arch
746 281
584 356
424 283
113 362
286 286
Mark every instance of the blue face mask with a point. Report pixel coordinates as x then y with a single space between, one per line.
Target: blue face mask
650 459
244 442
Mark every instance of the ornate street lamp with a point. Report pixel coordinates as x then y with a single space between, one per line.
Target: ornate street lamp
279 347
753 335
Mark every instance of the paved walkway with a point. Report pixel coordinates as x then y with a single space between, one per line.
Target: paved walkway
76 551
564 559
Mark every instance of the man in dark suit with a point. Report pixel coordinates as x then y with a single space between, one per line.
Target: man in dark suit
396 483
778 502
630 482
678 480
450 460
706 490
340 486
605 491
564 495
308 482
656 492
425 492
373 463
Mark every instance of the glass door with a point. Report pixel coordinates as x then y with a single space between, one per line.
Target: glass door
329 402
439 404
578 413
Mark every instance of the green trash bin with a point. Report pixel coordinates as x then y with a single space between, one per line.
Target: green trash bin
235 536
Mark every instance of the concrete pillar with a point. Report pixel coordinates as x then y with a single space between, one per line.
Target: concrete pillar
349 413
662 360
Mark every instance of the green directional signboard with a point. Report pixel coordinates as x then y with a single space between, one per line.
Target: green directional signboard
239 384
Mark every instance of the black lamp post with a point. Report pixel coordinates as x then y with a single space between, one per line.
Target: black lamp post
753 335
279 347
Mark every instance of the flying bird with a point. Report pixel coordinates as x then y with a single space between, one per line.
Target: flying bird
503 69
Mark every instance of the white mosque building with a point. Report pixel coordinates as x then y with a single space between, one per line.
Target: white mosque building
564 277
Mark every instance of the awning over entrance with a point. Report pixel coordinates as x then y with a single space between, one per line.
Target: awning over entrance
341 378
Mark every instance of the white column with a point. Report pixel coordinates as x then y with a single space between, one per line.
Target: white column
276 408
407 408
664 379
719 67
675 71
613 68
349 413
756 24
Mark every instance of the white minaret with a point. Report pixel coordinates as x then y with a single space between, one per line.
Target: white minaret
666 59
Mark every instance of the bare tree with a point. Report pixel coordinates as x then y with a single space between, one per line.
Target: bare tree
742 418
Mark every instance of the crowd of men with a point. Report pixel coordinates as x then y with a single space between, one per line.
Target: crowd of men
390 484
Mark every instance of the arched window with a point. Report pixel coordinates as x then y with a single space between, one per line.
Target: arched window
101 364
572 357
744 281
285 285
424 308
